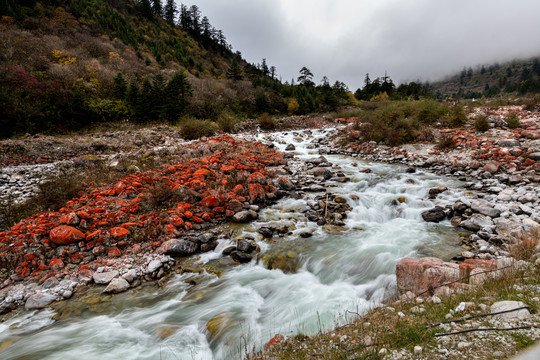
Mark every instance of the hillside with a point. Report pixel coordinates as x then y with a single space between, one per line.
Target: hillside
66 65
71 65
519 77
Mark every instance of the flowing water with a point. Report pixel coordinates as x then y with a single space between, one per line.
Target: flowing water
339 273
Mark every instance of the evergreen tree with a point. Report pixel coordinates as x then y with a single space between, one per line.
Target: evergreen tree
145 8
157 8
170 11
305 77
145 106
176 96
158 93
120 86
234 72
132 96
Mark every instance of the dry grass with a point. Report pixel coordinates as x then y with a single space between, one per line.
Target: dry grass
383 327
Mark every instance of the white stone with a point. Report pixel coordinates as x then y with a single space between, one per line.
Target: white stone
418 350
509 305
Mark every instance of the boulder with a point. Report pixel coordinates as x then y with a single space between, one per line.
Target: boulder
178 247
266 231
507 143
434 215
65 234
290 147
534 156
117 285
499 306
476 222
474 270
105 277
483 207
492 166
39 301
245 246
420 275
241 216
154 265
241 257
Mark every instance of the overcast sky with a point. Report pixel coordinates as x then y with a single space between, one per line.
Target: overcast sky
345 39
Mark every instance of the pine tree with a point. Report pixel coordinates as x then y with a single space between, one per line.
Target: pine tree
120 86
170 11
145 7
176 96
305 77
234 72
157 8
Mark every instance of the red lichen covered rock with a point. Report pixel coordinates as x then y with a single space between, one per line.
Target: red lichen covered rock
64 235
424 274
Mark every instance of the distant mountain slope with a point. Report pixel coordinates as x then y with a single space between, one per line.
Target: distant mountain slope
515 77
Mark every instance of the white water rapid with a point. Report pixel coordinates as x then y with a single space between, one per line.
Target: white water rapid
339 274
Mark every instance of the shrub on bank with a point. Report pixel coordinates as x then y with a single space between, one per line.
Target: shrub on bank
266 122
481 123
191 128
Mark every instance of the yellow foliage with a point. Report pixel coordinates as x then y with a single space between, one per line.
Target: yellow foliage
8 19
292 105
381 97
63 57
115 56
352 99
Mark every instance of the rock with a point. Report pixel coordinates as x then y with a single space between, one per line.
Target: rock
105 277
473 270
39 301
306 234
290 147
241 257
333 229
178 247
321 172
515 179
64 235
281 262
492 166
506 143
131 275
460 207
285 183
433 192
434 215
241 216
420 275
154 265
218 324
245 246
522 314
483 207
476 222
117 285
534 156
266 231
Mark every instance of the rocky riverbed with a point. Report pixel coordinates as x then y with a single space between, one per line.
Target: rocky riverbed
63 254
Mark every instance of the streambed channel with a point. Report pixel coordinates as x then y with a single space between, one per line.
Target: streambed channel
224 309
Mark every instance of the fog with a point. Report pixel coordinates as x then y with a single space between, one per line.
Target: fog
345 39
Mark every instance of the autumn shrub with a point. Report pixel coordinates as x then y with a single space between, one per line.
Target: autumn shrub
191 128
525 249
457 117
162 196
513 121
266 122
446 142
481 123
226 121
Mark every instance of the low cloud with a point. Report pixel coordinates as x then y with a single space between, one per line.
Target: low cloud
345 39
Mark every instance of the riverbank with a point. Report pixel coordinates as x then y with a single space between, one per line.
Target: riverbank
308 177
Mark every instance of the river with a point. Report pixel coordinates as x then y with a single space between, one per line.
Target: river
339 273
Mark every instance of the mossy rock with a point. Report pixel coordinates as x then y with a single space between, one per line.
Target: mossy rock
218 324
282 262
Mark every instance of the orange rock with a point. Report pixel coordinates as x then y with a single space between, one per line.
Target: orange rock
210 201
118 232
64 235
113 252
